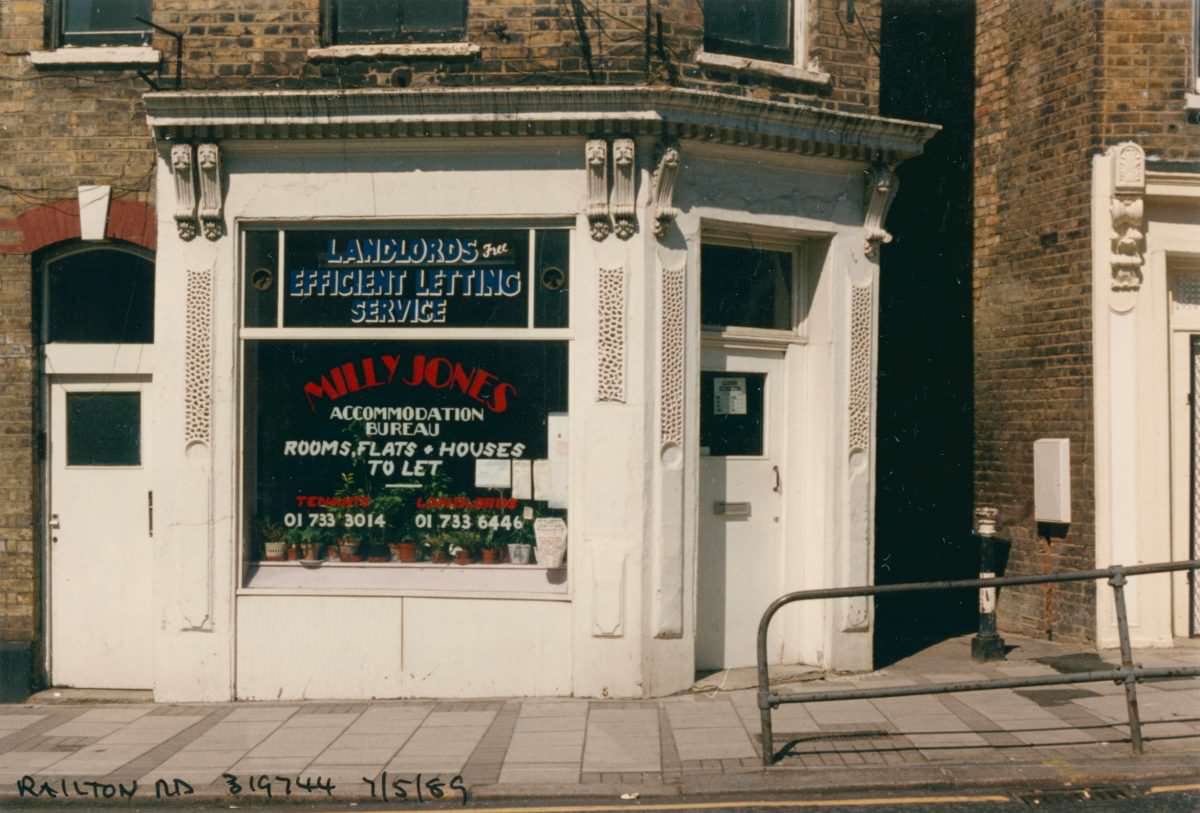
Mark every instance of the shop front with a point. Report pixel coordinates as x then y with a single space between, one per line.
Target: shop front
482 393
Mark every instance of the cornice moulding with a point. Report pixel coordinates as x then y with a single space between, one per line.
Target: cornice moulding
536 111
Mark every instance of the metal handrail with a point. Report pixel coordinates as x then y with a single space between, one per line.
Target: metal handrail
1128 674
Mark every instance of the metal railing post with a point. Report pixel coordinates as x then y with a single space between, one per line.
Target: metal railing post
764 688
1117 582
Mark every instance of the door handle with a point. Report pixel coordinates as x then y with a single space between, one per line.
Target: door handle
778 489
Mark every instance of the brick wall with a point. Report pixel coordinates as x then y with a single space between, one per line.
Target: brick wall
1056 83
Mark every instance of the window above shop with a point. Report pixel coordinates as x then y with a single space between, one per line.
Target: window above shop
100 22
764 37
99 296
378 22
747 287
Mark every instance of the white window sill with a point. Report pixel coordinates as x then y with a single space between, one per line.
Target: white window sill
97 55
393 578
411 50
762 67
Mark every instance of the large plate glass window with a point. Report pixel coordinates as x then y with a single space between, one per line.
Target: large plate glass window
367 445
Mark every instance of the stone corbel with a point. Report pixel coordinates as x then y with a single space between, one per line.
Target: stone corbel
664 187
882 184
1127 210
596 153
208 156
185 190
623 205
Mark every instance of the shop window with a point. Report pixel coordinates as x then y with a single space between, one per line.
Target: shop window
759 29
100 22
746 287
405 403
104 429
394 21
100 296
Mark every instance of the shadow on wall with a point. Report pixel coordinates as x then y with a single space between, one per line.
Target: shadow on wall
924 438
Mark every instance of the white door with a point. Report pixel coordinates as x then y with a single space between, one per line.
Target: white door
99 525
741 490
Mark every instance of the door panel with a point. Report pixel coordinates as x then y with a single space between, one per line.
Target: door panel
99 534
741 484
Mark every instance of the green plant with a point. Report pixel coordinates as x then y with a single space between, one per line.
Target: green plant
270 531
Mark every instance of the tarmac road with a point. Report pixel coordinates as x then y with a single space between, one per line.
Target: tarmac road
1161 799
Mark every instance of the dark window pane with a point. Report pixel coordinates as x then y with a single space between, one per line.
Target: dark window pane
731 413
753 28
745 287
104 428
551 279
399 20
262 278
101 296
105 22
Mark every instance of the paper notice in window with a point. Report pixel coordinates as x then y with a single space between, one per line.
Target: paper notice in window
541 479
493 474
522 479
557 427
729 396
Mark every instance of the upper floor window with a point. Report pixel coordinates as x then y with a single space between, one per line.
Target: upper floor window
99 296
759 29
101 22
395 21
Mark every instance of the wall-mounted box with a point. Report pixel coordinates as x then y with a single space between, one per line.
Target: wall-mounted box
1052 480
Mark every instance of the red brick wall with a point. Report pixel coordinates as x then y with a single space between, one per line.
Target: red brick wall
1056 83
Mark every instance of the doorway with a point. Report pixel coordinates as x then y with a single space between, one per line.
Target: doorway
749 311
97 330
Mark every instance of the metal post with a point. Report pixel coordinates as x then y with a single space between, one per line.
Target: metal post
1117 582
764 686
987 645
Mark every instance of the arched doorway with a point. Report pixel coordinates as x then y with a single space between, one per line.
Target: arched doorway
95 307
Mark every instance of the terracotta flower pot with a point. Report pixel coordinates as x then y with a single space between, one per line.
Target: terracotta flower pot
310 551
403 551
348 549
293 554
463 557
488 556
439 557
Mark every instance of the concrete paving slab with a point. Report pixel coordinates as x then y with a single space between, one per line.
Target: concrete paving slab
15 722
540 773
114 714
26 761
258 714
546 747
713 743
459 719
78 728
226 735
554 708
557 722
340 720
189 760
376 757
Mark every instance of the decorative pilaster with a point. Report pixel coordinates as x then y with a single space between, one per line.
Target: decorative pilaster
671 350
596 153
665 174
197 373
208 156
623 205
1128 212
610 339
882 185
185 190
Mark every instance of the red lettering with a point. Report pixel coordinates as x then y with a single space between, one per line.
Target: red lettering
499 400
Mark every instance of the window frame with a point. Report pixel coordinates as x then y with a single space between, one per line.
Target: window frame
798 333
497 581
43 292
126 38
330 34
714 45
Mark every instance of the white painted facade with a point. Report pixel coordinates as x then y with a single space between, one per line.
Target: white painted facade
624 622
1146 309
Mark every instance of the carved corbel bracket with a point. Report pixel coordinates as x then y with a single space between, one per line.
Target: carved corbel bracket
208 156
185 190
623 206
882 185
596 154
1127 209
665 174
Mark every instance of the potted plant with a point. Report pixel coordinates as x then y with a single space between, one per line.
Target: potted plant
275 540
462 547
491 548
438 545
310 544
348 545
520 543
404 551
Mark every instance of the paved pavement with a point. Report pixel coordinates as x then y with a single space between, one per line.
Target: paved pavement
706 741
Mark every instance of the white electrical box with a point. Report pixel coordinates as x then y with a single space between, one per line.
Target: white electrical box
1052 480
